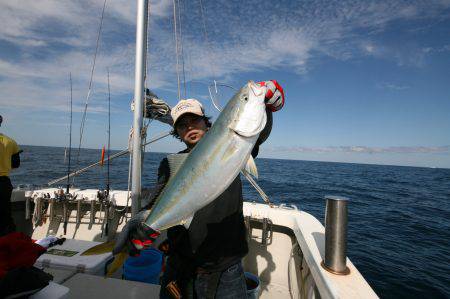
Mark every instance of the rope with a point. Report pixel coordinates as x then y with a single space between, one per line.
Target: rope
83 119
144 139
156 108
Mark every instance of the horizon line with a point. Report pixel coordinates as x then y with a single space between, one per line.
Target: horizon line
267 158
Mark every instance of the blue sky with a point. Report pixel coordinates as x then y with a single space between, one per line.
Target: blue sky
365 81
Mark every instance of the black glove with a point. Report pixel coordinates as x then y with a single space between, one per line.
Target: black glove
135 235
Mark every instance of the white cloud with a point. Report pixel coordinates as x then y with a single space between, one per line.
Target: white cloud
441 49
362 149
392 86
369 48
49 39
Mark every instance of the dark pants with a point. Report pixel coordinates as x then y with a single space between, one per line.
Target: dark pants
6 221
171 273
231 284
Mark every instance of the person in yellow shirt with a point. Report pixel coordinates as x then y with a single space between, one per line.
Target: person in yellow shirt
9 158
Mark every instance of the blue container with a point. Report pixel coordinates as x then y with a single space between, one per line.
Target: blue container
145 268
253 285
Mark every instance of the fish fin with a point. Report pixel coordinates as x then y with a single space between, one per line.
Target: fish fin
118 261
250 167
100 248
187 222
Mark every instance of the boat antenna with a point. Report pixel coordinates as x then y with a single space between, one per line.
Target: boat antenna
70 135
109 136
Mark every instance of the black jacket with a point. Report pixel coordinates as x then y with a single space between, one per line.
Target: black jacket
216 238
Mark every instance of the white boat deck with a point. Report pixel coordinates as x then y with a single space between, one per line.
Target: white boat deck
288 266
96 287
290 269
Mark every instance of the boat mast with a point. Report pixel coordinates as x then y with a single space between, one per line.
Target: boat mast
141 51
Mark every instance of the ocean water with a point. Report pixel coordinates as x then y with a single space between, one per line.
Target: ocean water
399 217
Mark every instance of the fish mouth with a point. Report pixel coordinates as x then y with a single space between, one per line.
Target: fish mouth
242 134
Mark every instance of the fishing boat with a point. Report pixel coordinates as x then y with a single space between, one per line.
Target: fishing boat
291 254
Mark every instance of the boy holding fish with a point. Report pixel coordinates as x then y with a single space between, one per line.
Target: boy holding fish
204 255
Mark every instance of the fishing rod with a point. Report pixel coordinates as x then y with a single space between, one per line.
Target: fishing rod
70 134
62 196
105 196
119 154
109 137
255 185
91 80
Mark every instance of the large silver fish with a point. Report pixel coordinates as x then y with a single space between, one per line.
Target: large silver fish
214 162
208 170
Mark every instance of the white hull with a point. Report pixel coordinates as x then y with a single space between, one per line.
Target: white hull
288 265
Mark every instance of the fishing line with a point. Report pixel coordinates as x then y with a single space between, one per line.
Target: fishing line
215 104
83 119
181 47
205 34
176 47
210 56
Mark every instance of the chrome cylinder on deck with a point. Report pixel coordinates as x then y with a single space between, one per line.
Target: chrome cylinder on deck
336 216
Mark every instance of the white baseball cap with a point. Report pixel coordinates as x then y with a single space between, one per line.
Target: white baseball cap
186 106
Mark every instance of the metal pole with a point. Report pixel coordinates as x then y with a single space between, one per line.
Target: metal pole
336 215
142 6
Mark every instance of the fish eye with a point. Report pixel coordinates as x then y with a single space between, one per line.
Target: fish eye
245 98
